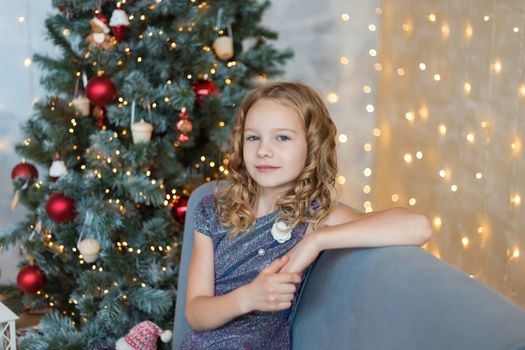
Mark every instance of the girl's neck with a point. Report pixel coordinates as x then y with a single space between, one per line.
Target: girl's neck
261 211
265 202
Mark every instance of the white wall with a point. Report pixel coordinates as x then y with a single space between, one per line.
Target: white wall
18 88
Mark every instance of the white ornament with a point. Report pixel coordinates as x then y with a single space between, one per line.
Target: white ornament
58 168
119 18
89 248
81 104
141 131
281 232
223 47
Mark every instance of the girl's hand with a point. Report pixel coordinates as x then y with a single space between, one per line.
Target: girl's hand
302 254
271 290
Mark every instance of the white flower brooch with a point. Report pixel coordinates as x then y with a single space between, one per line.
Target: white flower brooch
281 232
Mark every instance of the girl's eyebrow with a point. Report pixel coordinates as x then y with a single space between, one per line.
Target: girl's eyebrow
276 129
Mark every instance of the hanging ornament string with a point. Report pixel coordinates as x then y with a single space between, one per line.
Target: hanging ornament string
219 17
27 181
149 111
133 112
230 32
36 229
84 79
75 94
85 226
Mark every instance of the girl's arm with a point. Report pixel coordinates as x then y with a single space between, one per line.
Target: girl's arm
204 311
269 291
348 228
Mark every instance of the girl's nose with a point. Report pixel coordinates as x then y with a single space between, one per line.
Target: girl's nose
264 150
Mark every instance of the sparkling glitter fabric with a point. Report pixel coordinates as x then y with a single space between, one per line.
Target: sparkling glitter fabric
238 261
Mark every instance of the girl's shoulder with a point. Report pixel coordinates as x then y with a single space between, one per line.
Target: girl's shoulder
205 214
207 206
208 200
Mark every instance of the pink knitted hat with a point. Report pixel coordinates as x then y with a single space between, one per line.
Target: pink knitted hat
143 336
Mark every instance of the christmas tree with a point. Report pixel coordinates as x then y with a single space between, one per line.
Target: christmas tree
138 114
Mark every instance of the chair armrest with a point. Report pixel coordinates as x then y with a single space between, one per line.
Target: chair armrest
401 297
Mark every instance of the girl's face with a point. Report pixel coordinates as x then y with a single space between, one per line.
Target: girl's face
274 143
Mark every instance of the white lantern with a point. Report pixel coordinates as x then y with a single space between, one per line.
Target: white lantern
223 47
89 248
7 328
58 168
81 104
141 131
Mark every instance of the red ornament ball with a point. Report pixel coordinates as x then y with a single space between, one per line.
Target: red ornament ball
60 208
205 88
101 91
184 126
31 279
179 208
24 170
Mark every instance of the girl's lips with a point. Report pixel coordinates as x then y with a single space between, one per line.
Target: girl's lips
266 169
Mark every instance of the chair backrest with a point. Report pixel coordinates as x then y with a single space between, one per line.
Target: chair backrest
181 325
398 297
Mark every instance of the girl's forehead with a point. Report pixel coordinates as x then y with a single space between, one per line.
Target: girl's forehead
270 114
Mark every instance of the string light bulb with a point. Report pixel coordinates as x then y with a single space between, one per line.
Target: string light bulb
437 222
496 66
468 31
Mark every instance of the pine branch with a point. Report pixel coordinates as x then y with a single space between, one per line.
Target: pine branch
13 233
10 295
57 37
56 332
151 301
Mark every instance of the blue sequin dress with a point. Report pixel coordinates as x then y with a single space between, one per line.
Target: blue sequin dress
239 261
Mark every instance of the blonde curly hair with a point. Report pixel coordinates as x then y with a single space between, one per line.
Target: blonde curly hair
317 182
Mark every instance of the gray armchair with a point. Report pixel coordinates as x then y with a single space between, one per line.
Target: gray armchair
397 297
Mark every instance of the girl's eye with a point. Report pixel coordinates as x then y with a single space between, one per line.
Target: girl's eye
279 138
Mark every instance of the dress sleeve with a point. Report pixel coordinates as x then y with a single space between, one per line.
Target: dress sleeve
203 216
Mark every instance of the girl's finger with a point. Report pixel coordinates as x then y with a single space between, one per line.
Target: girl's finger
284 305
285 297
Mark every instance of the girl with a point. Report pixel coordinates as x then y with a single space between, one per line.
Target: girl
257 237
